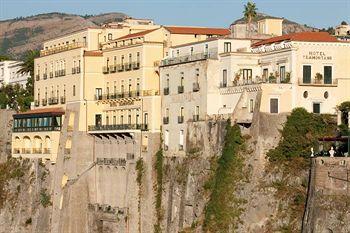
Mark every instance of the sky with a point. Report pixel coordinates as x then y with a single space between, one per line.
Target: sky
211 13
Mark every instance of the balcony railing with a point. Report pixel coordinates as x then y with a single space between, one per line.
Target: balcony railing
51 75
130 94
180 89
36 103
105 69
118 127
37 129
77 69
196 117
165 120
319 82
180 119
53 100
60 73
62 48
26 151
195 87
166 91
45 76
136 65
188 58
32 150
120 68
73 70
47 151
37 77
128 66
63 99
112 69
16 151
44 102
37 150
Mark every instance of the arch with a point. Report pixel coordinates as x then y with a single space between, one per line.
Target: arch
17 144
47 145
37 145
27 145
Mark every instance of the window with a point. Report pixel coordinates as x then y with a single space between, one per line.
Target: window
114 120
98 92
182 111
316 108
138 57
181 140
251 105
73 90
327 74
224 78
145 120
84 39
191 51
166 138
206 49
273 105
109 36
282 73
265 74
227 47
98 119
306 74
247 74
107 120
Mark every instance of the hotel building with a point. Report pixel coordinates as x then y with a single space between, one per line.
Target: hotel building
104 81
235 77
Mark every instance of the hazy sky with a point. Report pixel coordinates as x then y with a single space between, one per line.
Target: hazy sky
318 13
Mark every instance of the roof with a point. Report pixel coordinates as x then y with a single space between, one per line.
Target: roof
137 34
198 30
40 112
93 53
300 36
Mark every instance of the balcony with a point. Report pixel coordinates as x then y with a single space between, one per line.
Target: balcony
61 73
51 75
165 120
37 151
317 82
53 100
180 89
188 58
77 69
32 151
16 151
63 99
180 119
37 77
44 102
62 48
120 68
74 70
128 66
166 91
36 129
26 151
112 69
195 87
130 94
118 127
47 151
105 69
36 103
45 76
136 65
195 117
56 74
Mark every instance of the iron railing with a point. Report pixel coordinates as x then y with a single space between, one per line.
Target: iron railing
118 127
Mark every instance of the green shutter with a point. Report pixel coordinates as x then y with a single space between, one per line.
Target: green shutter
327 73
306 74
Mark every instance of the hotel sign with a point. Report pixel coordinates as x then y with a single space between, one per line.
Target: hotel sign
317 55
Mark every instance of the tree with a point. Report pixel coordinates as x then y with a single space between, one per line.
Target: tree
28 67
250 12
344 23
4 57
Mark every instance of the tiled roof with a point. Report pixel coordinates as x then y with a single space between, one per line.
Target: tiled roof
137 34
93 53
198 30
300 36
42 111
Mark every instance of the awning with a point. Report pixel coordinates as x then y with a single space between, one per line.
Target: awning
42 112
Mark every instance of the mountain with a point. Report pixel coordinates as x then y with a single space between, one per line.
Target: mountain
288 26
24 33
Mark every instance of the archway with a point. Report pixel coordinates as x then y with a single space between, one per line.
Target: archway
47 145
27 145
37 145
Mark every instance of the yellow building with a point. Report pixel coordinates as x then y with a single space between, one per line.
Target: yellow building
106 78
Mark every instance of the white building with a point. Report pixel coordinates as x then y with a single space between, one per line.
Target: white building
9 73
235 78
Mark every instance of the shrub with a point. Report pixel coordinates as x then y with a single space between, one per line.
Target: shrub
45 199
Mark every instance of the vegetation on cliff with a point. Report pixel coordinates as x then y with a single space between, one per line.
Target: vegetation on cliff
223 209
159 189
289 165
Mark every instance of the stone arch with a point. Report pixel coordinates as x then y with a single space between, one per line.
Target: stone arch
47 145
17 144
27 145
37 145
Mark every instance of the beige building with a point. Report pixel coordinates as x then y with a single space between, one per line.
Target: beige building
107 77
309 70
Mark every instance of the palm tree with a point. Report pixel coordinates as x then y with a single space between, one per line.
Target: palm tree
250 12
28 67
28 63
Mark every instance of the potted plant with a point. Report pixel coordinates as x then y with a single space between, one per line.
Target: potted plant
287 80
237 78
318 77
272 78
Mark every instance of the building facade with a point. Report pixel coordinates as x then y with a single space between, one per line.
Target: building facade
9 73
236 77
